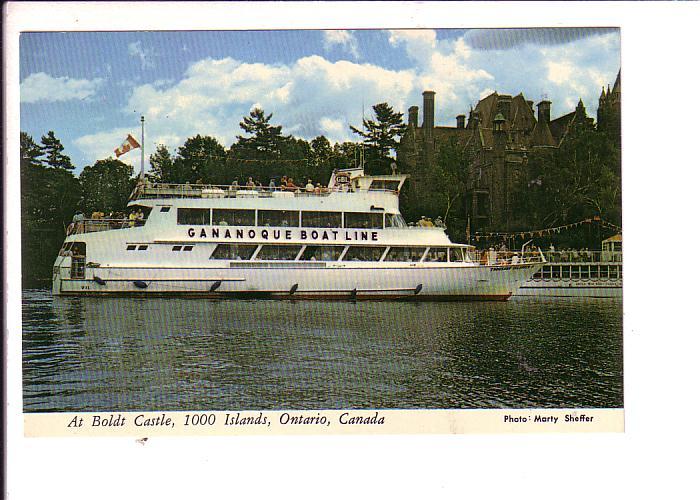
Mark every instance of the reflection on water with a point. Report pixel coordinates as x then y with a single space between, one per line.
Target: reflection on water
121 354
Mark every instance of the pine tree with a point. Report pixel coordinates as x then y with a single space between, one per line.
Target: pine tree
265 138
384 134
52 149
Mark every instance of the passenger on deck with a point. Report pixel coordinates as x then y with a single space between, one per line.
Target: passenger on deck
309 186
493 256
291 186
272 184
250 184
318 188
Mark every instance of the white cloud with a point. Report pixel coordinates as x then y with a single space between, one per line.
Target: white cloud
144 55
42 87
343 38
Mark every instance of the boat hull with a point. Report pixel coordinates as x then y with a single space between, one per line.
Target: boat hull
323 283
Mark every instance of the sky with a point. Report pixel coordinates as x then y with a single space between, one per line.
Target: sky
91 88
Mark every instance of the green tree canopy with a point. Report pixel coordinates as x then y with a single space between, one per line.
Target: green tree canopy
201 158
162 167
381 136
52 149
106 186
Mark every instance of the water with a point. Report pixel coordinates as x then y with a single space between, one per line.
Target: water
129 354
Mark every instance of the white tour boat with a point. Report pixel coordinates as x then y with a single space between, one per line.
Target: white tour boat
579 273
346 241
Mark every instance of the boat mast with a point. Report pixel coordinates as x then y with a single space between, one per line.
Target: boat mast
142 147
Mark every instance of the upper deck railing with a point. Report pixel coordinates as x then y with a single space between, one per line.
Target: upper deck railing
97 225
162 190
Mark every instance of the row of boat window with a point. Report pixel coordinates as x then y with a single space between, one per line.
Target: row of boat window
331 253
287 218
579 272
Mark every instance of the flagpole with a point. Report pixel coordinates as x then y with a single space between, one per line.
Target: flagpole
143 144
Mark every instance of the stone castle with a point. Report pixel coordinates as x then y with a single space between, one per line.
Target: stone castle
494 141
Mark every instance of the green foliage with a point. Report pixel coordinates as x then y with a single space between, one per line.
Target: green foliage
201 159
381 137
106 186
52 148
48 197
162 166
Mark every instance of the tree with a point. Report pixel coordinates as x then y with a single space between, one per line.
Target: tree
52 149
265 139
162 168
106 186
381 136
201 158
49 197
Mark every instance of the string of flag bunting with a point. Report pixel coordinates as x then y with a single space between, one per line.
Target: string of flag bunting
549 230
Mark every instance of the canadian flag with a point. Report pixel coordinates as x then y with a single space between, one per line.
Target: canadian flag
129 144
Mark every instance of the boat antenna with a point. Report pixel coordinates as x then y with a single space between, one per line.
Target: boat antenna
143 144
362 144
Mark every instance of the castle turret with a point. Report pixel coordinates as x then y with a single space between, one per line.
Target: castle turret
461 121
428 110
413 116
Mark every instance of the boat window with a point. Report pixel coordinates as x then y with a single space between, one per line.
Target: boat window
613 271
603 271
458 255
585 272
537 275
379 184
278 218
322 252
131 247
566 271
233 252
145 211
405 254
143 247
394 220
224 217
359 253
547 272
177 248
556 272
165 209
593 271
193 216
363 220
436 255
187 248
321 219
278 252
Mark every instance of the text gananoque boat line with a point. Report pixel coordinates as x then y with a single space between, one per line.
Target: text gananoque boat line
346 241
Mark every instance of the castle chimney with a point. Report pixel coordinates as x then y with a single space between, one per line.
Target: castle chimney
428 109
413 116
503 105
543 111
461 120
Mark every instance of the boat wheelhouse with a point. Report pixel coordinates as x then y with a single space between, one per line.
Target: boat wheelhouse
347 240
